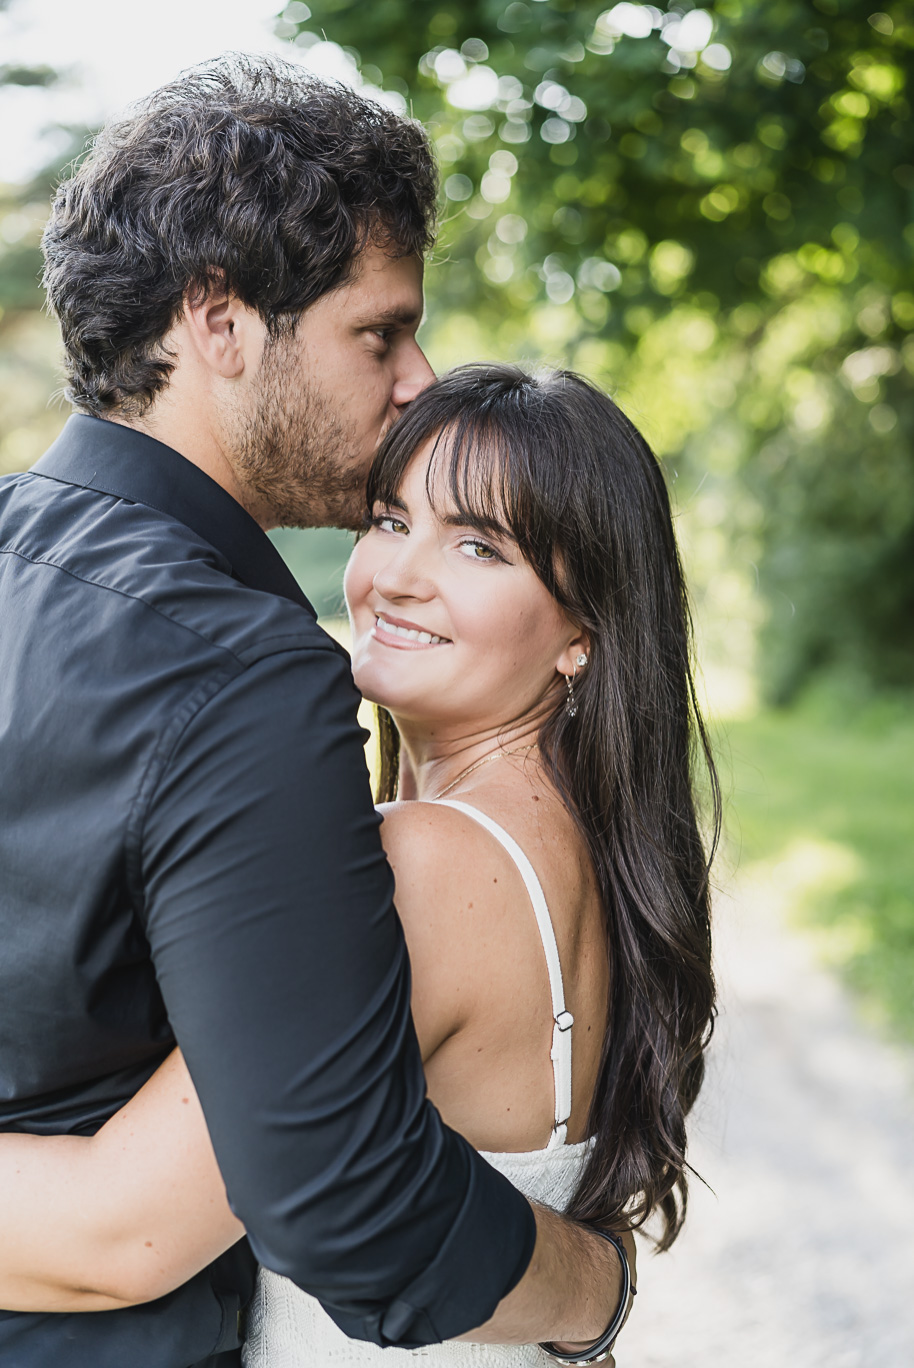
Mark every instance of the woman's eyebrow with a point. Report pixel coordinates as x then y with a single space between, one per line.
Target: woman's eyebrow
478 523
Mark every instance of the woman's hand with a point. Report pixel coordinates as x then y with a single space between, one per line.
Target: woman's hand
91 1224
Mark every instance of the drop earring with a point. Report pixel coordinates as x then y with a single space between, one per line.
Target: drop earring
571 707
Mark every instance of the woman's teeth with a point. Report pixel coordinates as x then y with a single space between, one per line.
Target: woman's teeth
409 633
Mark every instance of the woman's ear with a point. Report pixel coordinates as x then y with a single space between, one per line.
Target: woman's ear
575 656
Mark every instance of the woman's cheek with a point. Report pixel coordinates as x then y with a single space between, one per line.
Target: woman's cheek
499 618
358 578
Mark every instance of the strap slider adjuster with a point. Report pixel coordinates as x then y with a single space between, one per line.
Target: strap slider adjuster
564 1021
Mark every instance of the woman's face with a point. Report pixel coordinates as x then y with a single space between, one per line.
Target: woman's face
450 627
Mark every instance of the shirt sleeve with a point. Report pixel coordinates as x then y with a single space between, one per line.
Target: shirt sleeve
268 906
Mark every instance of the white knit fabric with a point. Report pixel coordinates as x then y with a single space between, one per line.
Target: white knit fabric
287 1328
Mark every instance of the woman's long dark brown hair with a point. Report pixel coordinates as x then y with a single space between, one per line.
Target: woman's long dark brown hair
551 460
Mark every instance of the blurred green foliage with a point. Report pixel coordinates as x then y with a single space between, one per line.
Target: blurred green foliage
822 825
29 370
317 559
709 211
23 210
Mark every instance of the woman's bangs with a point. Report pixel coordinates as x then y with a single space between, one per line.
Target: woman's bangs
471 478
474 476
387 471
494 466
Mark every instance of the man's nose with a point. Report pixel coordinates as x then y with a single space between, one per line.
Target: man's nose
415 375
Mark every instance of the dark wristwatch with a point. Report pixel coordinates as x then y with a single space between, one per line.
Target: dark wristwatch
601 1348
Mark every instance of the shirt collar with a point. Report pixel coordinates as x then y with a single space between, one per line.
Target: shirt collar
120 461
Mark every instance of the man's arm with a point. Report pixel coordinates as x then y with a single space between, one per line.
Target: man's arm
268 906
569 1293
125 1216
131 1213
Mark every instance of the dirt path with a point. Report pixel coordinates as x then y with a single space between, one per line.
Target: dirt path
805 1256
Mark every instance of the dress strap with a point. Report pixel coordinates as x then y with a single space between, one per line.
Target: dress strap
562 1019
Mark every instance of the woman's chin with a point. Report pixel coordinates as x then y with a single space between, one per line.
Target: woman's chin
386 683
399 702
375 689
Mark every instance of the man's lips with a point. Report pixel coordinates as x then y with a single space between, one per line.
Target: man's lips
391 631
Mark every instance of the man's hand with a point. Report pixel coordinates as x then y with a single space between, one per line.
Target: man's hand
569 1293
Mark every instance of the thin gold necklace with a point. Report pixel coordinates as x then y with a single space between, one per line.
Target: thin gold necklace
477 764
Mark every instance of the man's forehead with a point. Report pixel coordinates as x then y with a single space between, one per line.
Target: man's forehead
387 283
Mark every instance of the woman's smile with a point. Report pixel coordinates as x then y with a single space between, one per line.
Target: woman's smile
404 636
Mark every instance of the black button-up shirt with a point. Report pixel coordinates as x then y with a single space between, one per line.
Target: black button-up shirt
188 850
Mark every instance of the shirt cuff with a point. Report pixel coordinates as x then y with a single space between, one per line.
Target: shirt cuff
483 1257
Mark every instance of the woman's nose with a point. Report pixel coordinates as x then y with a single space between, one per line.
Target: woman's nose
405 574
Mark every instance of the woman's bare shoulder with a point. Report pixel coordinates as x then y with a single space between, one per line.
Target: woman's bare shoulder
433 844
459 897
437 850
422 829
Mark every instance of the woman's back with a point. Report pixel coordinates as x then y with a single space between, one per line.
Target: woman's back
527 1012
481 992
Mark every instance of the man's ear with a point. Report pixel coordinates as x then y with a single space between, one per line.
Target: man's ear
225 334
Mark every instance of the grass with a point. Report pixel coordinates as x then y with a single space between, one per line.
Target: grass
821 801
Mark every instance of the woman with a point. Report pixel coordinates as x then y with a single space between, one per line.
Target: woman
519 616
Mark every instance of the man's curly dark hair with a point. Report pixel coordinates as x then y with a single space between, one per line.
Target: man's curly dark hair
248 171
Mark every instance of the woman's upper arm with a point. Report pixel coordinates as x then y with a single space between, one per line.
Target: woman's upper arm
121 1218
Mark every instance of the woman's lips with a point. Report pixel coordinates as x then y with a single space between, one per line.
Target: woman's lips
404 635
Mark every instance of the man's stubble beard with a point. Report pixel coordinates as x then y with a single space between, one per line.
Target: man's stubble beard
290 450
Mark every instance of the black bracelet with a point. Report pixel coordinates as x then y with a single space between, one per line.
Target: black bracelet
601 1348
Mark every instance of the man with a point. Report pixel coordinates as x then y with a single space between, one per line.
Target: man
187 841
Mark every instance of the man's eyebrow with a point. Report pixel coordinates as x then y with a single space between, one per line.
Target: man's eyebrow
401 314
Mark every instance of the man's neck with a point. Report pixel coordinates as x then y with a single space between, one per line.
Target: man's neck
195 441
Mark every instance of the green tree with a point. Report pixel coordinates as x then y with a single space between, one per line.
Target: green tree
20 257
710 210
29 370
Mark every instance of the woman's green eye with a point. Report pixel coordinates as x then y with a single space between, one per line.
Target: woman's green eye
480 550
389 524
